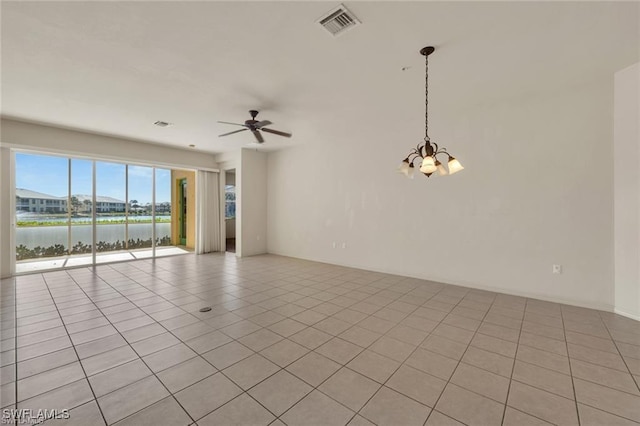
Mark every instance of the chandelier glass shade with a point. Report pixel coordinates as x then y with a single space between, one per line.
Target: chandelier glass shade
426 153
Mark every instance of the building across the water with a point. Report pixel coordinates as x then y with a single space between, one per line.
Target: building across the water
38 202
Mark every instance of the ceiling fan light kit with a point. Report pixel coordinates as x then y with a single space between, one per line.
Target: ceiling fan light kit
428 151
255 127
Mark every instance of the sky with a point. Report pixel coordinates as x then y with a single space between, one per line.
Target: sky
49 175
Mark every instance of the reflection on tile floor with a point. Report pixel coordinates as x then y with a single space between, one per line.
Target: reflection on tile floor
29 266
294 342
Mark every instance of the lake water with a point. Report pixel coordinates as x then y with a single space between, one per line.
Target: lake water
46 236
33 217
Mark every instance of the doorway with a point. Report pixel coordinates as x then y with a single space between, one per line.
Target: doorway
182 207
230 210
182 217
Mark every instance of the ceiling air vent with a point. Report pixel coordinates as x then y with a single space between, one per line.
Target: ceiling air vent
338 20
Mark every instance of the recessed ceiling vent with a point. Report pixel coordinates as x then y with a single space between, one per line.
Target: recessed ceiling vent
337 21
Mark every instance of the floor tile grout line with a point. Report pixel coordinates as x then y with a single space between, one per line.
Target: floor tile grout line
121 387
606 326
538 387
608 412
531 415
53 368
573 385
75 351
152 372
60 387
15 332
460 360
551 338
513 366
571 375
591 336
246 392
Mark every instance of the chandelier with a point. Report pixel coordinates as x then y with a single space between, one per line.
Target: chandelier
427 152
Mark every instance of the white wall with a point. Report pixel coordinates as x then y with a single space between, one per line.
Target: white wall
536 191
627 191
28 136
251 203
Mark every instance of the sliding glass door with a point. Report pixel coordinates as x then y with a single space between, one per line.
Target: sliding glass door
80 198
73 212
162 212
42 219
141 210
111 211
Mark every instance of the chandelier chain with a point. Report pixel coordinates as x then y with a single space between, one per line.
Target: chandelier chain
426 98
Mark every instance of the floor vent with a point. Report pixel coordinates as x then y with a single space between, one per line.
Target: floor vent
338 20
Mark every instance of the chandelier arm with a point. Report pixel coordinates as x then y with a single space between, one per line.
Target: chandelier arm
416 156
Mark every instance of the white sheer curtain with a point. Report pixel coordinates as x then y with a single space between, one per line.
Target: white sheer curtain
207 212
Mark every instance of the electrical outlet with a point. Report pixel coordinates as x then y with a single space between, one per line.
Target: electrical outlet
557 269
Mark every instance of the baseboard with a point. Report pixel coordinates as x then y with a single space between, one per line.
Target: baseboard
626 314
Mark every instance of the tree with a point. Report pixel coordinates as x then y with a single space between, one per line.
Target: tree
87 205
75 204
134 207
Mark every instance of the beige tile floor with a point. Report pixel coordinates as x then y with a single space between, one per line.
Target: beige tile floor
296 342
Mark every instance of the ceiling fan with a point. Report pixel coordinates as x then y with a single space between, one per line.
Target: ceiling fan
255 126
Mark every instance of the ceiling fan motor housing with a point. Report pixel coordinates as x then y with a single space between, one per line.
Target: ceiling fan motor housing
253 120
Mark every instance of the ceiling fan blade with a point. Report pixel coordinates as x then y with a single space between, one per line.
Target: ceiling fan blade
230 133
235 124
262 123
258 136
277 132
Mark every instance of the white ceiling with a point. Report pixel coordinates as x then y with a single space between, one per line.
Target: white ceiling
116 67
